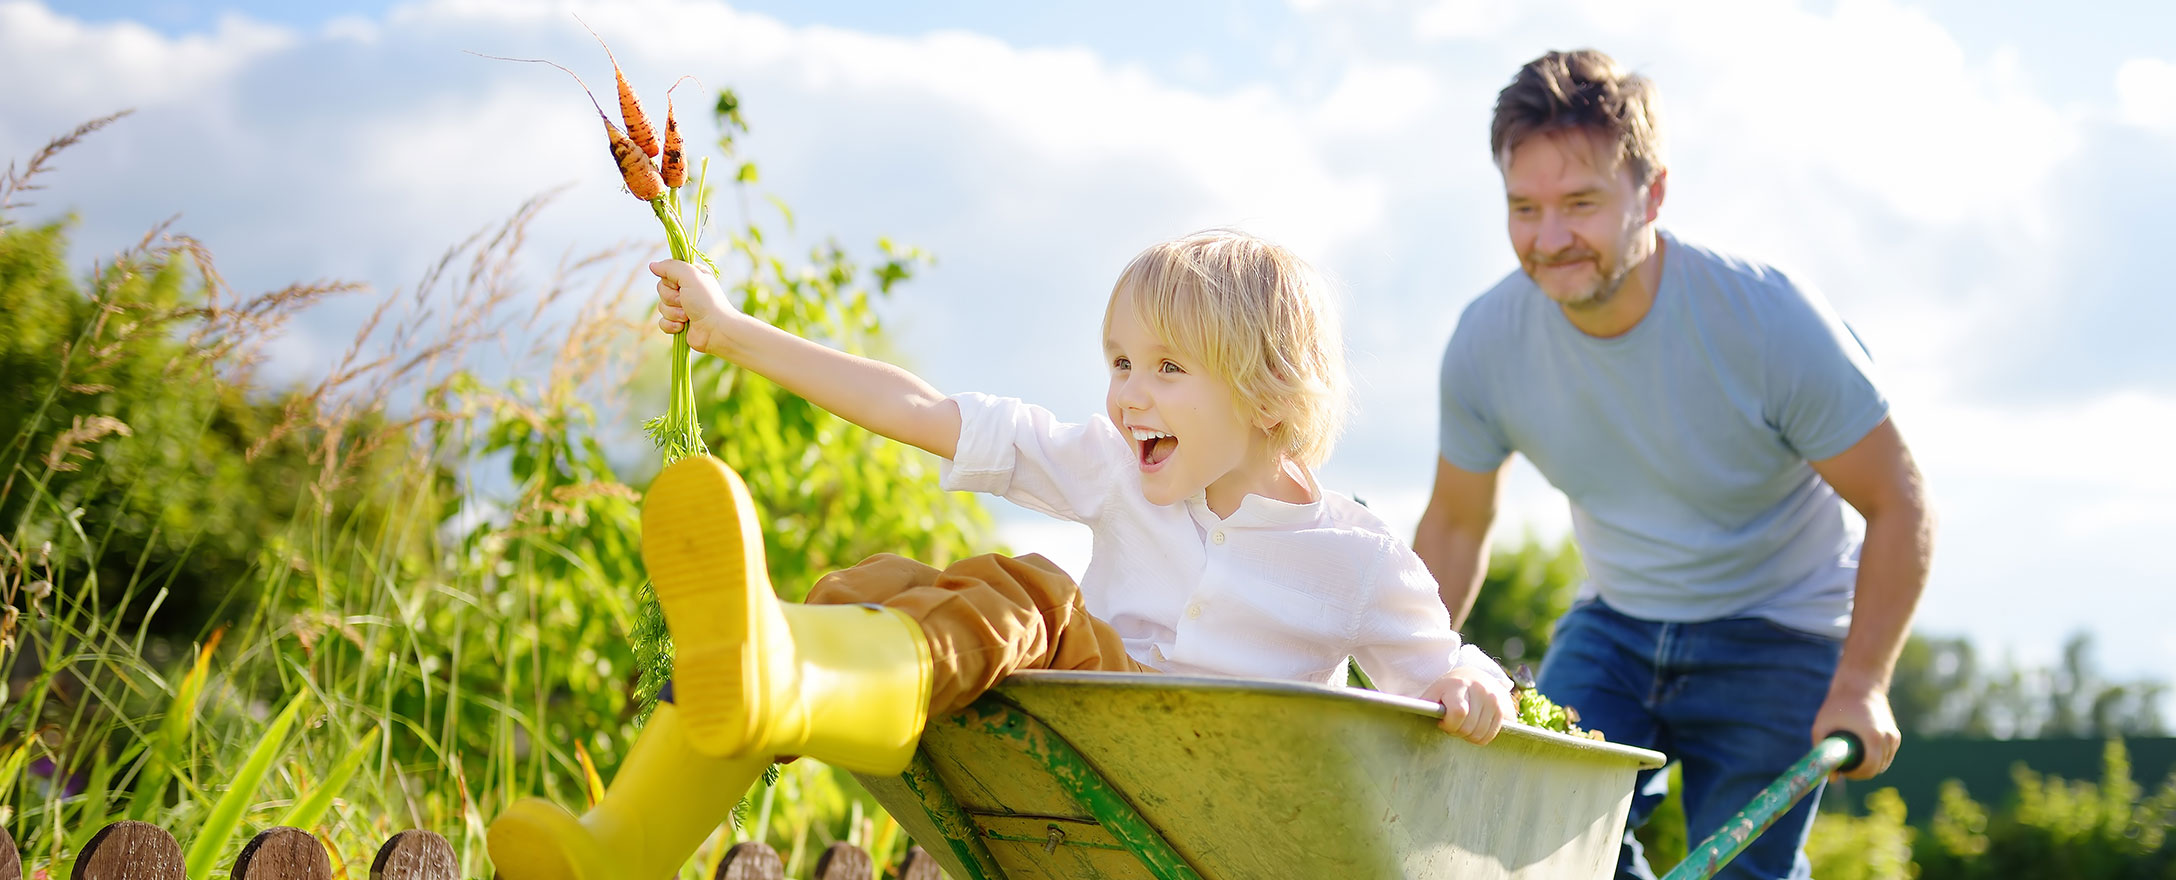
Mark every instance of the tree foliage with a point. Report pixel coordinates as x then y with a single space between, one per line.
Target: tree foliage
1942 687
135 445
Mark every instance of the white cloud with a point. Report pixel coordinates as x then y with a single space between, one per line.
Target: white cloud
1376 100
121 63
1461 19
2114 442
2146 93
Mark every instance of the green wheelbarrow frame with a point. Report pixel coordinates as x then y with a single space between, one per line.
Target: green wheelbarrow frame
1119 776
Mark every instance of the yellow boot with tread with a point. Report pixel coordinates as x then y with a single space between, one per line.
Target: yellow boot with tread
844 684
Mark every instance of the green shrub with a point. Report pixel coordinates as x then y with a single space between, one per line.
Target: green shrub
2055 829
1876 846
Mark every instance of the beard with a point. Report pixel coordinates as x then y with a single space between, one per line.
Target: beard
1612 275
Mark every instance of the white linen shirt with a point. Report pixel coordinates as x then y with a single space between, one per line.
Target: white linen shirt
1276 590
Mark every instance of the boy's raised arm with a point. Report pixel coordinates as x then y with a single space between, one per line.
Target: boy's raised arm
875 395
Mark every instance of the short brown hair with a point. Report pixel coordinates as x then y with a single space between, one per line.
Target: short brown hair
1581 91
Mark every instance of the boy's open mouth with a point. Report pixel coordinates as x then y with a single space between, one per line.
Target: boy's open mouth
1154 446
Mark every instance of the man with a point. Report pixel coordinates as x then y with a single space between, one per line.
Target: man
1708 418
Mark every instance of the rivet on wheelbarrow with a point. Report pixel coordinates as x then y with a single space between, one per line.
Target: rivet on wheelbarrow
1050 844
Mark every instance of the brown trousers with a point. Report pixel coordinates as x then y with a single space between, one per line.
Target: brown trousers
985 618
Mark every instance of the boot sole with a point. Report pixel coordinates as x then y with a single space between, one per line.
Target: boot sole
703 548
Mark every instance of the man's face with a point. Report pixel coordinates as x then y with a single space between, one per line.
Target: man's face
1577 218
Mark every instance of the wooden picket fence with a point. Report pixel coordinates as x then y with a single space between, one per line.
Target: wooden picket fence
141 851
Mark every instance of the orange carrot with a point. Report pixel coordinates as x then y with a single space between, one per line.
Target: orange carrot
638 125
674 165
635 168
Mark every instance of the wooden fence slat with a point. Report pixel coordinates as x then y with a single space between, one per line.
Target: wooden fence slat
11 862
130 850
752 860
844 861
918 864
282 853
415 855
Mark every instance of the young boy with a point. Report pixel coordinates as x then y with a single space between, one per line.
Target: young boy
1215 552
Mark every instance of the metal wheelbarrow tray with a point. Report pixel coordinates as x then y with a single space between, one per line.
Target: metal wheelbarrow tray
1090 775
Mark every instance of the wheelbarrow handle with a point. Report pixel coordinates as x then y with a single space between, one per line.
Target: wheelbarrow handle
1840 751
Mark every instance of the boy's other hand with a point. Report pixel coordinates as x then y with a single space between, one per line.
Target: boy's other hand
690 299
1475 704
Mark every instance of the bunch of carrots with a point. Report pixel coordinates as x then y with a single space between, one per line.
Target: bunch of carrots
654 172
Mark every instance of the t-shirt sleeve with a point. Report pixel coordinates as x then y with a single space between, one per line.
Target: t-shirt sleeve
1024 454
1822 396
1468 435
1403 637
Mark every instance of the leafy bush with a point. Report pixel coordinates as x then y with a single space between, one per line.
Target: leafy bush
2053 828
2056 829
1876 846
146 373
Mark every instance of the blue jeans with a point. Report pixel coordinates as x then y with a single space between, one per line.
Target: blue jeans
1732 700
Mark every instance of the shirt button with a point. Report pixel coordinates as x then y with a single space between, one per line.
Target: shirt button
1216 537
1193 611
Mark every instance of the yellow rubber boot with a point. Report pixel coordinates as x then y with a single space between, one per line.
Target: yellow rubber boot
664 801
847 685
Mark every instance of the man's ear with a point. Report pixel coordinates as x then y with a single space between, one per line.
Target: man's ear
1656 189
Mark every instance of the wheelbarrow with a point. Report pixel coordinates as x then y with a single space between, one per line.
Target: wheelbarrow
1116 776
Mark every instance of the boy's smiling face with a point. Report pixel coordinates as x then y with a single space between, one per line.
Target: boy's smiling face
1189 431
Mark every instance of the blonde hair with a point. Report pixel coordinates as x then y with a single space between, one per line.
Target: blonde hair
1583 91
1260 318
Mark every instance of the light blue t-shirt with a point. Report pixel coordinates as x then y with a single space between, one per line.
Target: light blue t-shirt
1683 443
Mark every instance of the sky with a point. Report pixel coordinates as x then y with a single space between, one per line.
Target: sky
1982 190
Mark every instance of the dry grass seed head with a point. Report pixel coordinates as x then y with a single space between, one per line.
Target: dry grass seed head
13 183
74 442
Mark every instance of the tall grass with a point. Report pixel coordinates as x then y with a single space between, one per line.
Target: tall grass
440 626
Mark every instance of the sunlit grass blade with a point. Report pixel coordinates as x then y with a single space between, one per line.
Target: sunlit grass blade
10 768
173 733
306 812
226 813
592 784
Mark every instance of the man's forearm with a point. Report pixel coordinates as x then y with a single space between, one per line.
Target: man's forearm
1457 558
1892 573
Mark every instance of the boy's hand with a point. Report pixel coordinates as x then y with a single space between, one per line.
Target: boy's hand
1475 703
689 298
